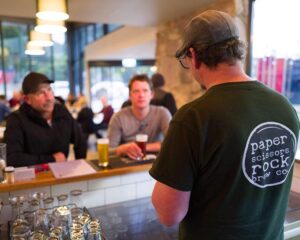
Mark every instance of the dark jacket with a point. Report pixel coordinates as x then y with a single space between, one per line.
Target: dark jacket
30 140
166 99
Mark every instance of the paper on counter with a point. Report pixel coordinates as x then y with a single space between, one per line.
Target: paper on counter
71 168
24 173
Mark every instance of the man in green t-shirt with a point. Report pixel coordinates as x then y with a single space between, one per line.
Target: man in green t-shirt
225 167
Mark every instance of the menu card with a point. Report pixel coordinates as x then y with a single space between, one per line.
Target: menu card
71 168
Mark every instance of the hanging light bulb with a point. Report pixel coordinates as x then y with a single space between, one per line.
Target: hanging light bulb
34 50
52 9
40 39
51 27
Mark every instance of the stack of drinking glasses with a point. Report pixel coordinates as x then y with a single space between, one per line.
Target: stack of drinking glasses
38 218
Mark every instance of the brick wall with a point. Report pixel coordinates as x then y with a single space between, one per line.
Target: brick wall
178 80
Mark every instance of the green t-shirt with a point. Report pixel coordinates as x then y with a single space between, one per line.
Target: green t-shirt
234 149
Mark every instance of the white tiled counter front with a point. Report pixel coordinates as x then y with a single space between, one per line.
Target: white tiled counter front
107 187
98 192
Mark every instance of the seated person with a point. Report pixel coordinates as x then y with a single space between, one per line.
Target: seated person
41 131
4 109
162 97
140 117
85 119
107 111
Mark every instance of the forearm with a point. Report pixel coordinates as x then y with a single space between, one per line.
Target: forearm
153 147
19 159
120 150
171 205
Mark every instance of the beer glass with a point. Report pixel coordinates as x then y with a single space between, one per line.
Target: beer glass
141 141
76 203
103 149
2 160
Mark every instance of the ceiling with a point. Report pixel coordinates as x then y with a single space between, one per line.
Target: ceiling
125 12
140 18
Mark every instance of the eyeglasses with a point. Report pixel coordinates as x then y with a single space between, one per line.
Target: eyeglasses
184 62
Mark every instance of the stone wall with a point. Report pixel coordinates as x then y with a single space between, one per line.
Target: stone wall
178 80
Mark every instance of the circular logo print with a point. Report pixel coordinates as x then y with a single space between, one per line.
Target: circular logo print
269 154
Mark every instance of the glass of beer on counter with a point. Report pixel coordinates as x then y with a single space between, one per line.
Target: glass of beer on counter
141 140
103 149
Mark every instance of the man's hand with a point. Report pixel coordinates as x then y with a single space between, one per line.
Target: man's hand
131 149
59 157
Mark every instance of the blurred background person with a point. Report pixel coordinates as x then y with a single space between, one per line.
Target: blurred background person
69 103
4 109
107 112
162 97
16 100
85 118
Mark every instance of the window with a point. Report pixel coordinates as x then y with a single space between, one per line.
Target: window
276 46
16 63
112 81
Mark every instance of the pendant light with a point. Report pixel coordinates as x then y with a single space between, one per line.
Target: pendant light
34 50
40 39
51 27
52 9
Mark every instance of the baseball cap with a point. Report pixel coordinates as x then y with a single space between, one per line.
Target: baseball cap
32 81
207 29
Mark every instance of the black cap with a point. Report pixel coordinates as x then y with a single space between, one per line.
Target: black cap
208 28
32 81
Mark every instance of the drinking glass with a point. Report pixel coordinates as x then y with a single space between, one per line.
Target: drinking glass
61 216
141 140
41 221
21 230
39 196
20 227
17 203
38 235
62 200
56 232
76 203
2 160
94 230
48 204
103 150
29 215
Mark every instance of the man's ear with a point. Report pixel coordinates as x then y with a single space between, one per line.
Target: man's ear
195 62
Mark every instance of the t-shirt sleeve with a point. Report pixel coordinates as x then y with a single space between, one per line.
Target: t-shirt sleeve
176 163
114 131
165 120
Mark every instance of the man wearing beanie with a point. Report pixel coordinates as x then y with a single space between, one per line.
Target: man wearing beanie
41 131
225 168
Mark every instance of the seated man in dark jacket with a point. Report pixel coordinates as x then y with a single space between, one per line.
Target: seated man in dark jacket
41 131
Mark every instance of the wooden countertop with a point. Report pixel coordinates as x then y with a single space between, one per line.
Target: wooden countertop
48 179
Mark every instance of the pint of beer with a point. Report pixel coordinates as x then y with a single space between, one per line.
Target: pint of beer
141 140
103 146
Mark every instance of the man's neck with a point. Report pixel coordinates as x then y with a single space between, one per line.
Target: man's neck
225 73
47 116
139 113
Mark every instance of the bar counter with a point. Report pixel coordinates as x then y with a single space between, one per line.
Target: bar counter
105 186
47 178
